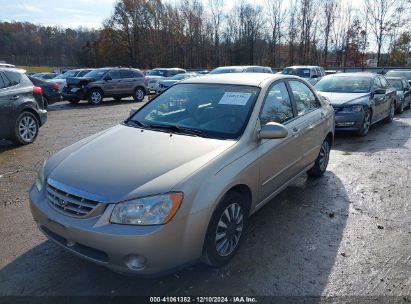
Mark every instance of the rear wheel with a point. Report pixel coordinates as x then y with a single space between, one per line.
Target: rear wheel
26 128
366 123
226 230
139 94
391 113
95 97
321 162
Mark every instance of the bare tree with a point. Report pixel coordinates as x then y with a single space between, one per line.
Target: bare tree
276 17
216 8
330 7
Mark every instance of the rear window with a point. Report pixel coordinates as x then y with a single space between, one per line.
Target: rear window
2 85
11 78
127 74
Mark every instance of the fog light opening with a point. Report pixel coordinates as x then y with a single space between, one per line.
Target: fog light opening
135 262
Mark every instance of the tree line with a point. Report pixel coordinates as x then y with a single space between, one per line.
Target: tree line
198 34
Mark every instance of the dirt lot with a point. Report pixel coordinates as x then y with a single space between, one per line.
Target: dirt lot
348 233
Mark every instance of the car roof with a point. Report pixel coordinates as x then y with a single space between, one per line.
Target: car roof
395 78
5 69
303 67
354 74
250 79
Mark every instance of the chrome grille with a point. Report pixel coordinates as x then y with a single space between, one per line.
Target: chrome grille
69 203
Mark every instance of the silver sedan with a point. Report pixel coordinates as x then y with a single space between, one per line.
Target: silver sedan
176 182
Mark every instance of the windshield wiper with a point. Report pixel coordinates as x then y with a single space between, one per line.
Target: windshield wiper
136 122
176 129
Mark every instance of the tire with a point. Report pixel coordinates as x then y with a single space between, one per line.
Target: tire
366 124
218 252
95 97
391 113
45 103
139 94
26 128
401 109
321 162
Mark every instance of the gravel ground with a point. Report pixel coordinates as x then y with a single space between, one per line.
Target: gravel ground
346 234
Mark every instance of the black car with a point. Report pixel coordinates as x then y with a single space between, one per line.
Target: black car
106 82
51 92
22 110
403 92
359 100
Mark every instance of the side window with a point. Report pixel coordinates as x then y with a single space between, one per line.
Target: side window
138 74
304 98
115 74
11 78
126 74
2 84
377 83
384 83
277 105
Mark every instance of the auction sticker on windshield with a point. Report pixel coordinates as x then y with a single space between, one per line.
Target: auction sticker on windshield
235 98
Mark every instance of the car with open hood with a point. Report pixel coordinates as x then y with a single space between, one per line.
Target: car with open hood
359 100
176 182
106 82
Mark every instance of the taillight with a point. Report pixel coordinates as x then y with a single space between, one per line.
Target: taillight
56 86
37 90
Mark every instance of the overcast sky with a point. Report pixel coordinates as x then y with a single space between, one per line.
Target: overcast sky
67 13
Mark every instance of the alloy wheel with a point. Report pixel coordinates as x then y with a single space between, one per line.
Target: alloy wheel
139 94
324 155
229 230
96 97
367 122
27 128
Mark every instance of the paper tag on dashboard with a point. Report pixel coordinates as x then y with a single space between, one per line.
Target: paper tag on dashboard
235 98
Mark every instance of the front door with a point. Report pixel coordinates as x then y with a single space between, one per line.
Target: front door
279 158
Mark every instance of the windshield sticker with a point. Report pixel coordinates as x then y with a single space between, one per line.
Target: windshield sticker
306 72
235 99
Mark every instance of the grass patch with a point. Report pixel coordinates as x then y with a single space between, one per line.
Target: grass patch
38 69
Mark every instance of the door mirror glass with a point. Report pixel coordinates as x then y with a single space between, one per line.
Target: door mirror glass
273 130
379 91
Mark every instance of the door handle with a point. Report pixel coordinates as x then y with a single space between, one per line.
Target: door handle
295 132
15 97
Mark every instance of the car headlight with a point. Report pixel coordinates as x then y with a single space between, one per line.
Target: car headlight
40 178
355 108
152 210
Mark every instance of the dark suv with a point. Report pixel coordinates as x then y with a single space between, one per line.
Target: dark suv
22 110
106 82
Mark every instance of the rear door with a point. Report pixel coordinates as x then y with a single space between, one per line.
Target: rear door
279 158
127 81
310 125
4 108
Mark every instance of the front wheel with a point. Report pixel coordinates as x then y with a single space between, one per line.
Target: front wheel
26 128
401 109
321 162
391 113
226 230
366 123
139 94
95 97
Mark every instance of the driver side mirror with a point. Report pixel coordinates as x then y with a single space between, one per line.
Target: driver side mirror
273 130
379 91
107 78
314 76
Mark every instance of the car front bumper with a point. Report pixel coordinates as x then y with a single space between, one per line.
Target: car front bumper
68 94
348 122
163 248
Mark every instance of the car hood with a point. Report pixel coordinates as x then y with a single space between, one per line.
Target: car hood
168 82
338 99
124 162
155 77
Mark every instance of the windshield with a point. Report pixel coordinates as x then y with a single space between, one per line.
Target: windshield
396 83
304 73
226 70
97 74
344 84
66 75
211 110
162 73
404 74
